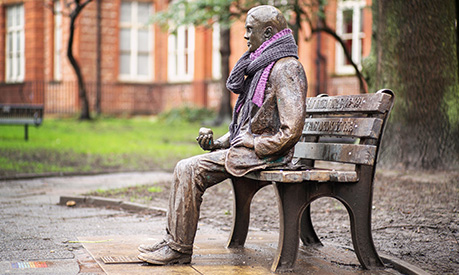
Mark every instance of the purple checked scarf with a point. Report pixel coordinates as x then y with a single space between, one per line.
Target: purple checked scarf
250 75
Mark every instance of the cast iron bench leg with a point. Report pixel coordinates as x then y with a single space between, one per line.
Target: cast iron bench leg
26 132
308 234
291 198
358 200
363 241
244 189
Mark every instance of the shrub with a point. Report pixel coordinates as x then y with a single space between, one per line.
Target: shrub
187 114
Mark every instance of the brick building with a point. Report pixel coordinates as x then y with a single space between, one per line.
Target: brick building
140 69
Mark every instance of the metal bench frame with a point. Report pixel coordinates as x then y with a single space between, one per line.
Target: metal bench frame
19 114
360 117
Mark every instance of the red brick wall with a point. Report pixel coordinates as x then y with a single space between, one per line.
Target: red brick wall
48 39
34 40
85 44
109 55
156 96
343 85
202 66
160 50
60 97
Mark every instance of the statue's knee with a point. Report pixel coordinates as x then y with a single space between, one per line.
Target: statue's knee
180 165
184 165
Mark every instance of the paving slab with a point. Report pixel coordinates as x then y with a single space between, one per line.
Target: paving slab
211 257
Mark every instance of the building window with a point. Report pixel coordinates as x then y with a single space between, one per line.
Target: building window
15 43
216 56
349 26
57 64
135 42
181 54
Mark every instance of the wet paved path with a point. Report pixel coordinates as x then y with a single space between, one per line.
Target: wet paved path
37 236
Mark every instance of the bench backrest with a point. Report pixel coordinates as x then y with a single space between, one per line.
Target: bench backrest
345 129
21 114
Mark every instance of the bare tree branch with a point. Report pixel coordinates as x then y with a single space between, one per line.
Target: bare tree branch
331 32
323 27
68 3
73 14
85 3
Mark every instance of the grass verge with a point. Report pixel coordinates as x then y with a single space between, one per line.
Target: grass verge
107 144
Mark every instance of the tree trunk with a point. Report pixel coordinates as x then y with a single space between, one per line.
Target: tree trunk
224 114
85 115
414 54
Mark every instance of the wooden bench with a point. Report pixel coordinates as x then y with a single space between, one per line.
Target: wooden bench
19 114
330 124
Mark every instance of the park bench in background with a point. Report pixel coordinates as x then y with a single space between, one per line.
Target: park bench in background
20 114
329 119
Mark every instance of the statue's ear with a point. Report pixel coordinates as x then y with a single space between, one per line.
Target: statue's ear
268 33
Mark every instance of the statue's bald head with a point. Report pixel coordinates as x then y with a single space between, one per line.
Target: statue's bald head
268 16
261 24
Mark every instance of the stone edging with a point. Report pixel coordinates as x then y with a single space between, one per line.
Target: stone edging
402 266
54 174
110 203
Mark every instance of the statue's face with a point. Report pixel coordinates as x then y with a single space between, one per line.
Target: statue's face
253 33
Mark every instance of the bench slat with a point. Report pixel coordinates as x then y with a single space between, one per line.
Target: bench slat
355 127
379 103
20 121
350 153
304 175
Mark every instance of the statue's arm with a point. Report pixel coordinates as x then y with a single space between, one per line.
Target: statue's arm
223 142
289 83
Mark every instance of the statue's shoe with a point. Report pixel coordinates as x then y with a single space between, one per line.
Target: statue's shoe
145 248
165 256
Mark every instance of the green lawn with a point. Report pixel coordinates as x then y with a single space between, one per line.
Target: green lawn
108 144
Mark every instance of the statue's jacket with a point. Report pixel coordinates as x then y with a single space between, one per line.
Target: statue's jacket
277 125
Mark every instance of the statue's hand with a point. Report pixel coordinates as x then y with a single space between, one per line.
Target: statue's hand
206 139
245 140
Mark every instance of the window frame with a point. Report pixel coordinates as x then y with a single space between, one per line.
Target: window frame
216 55
15 58
356 36
57 43
179 69
134 27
